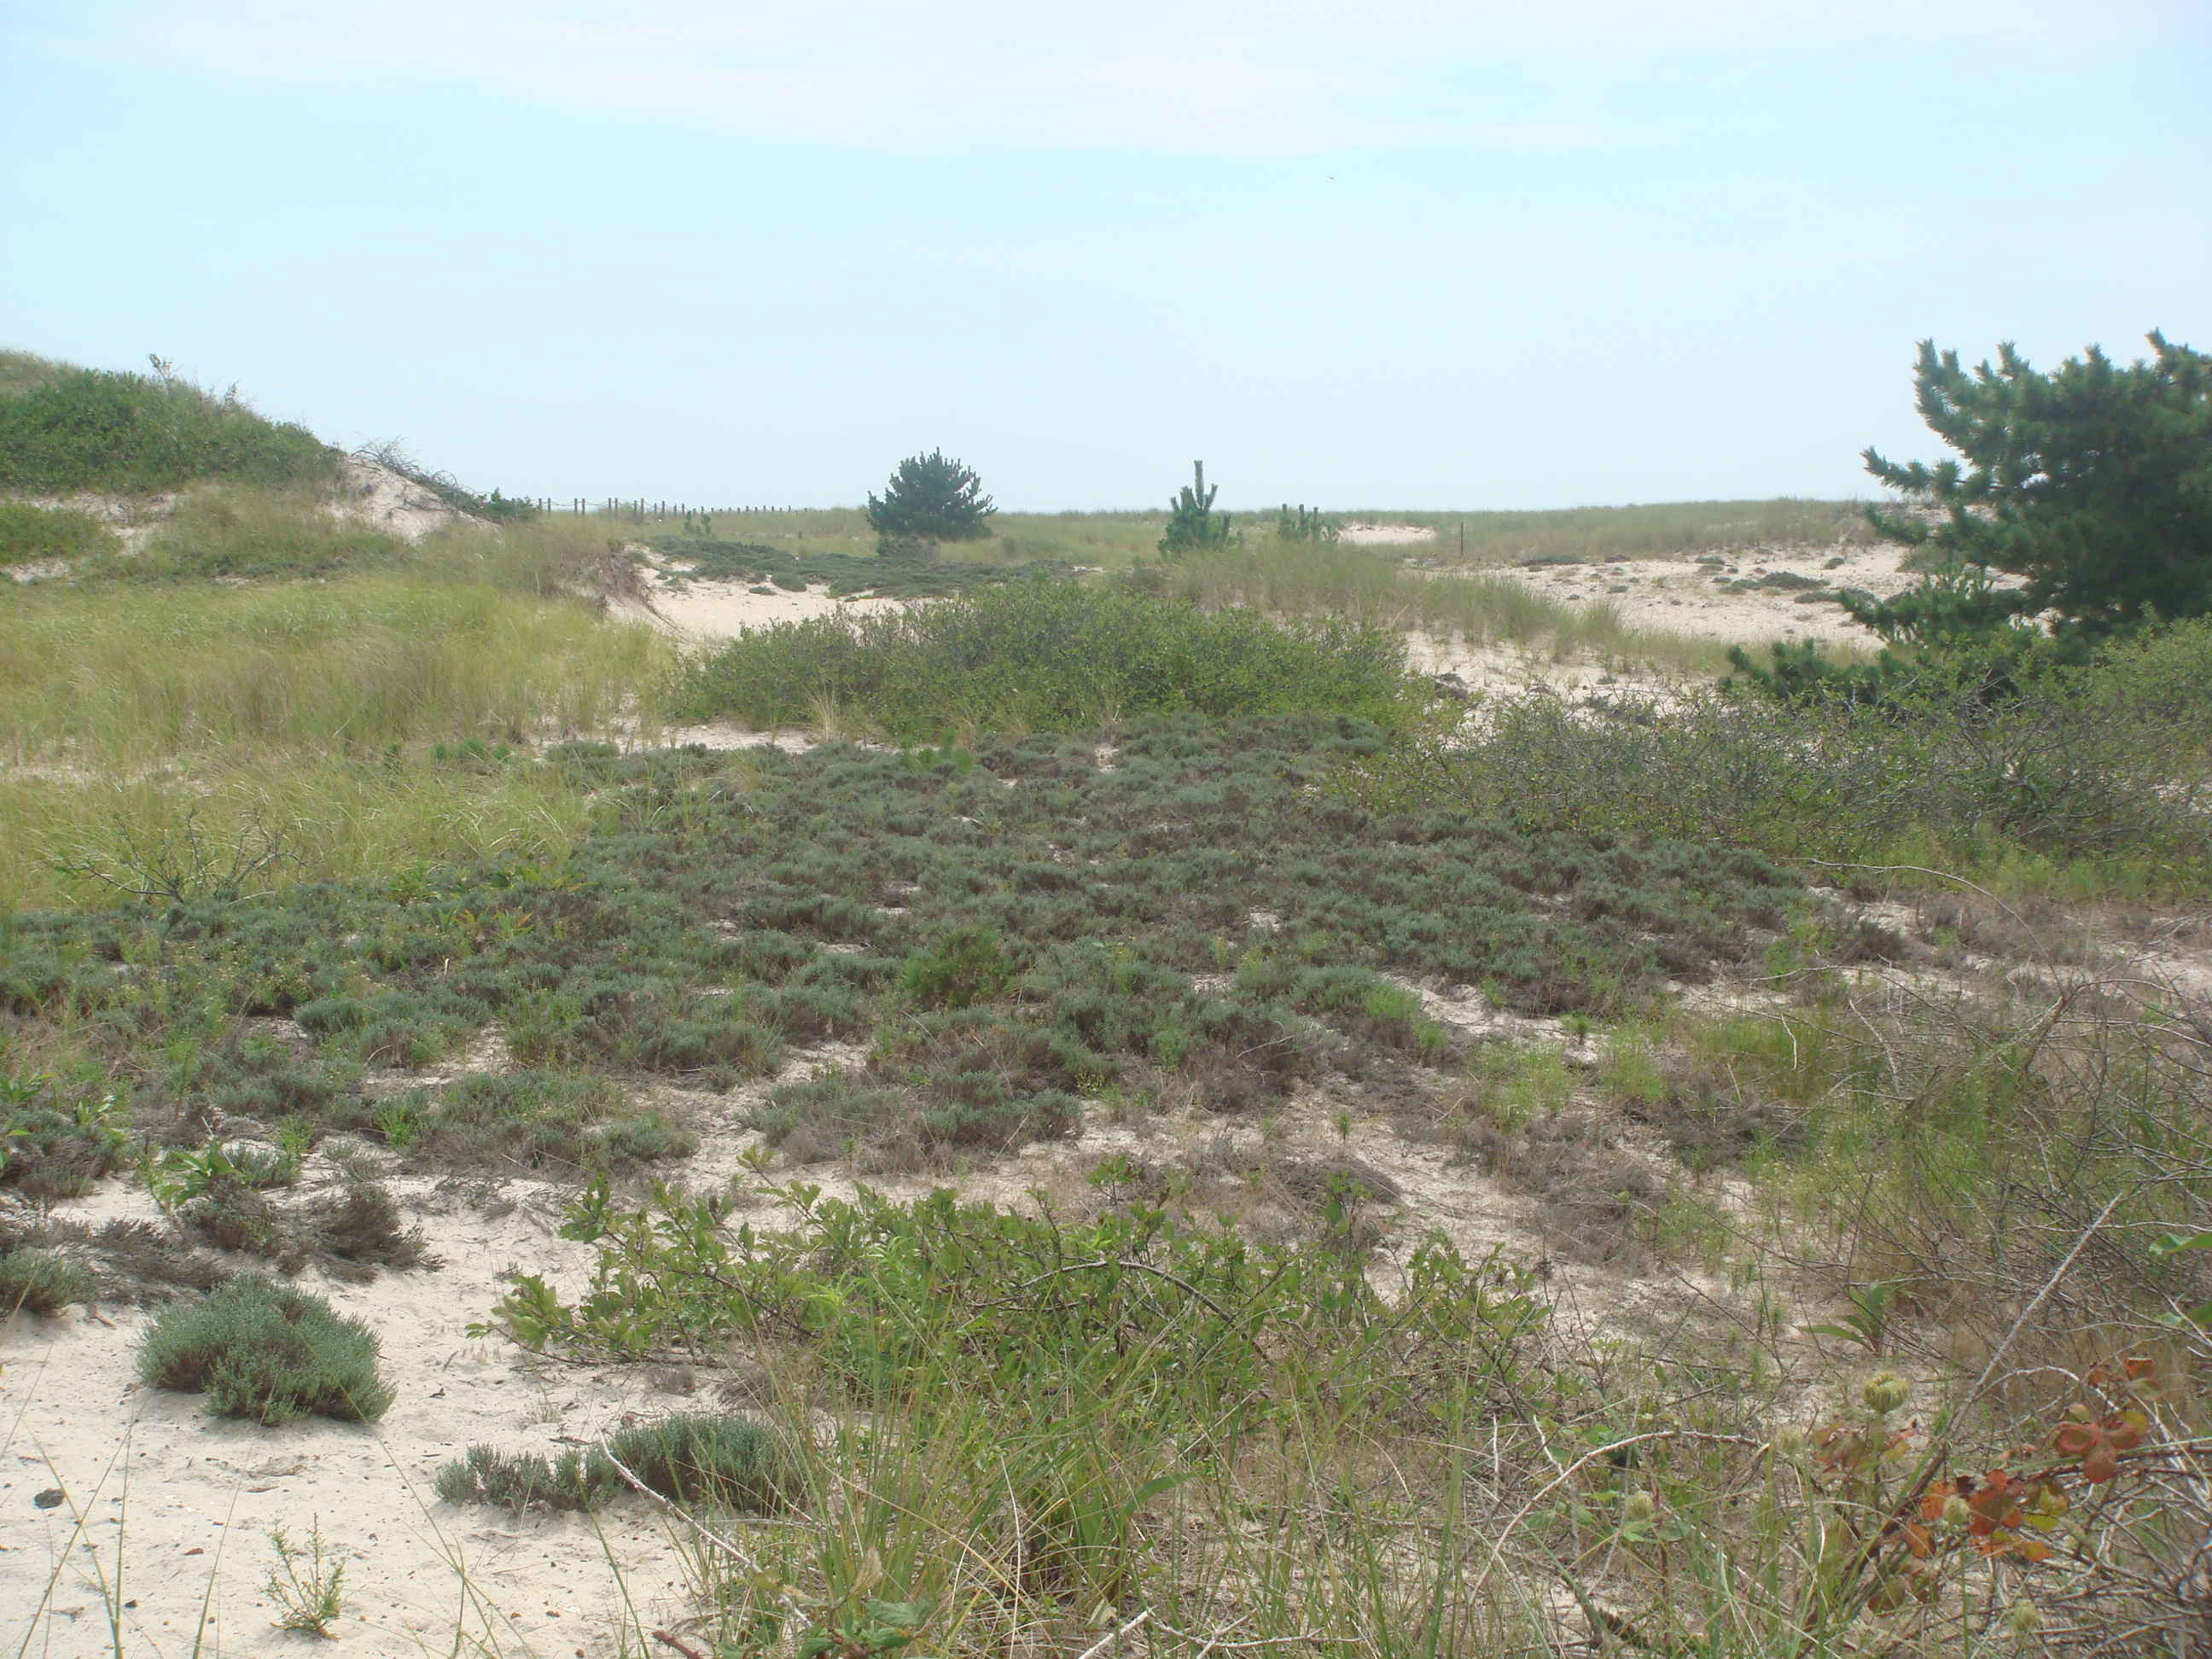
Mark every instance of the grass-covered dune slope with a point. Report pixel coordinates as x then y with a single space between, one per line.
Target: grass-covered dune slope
1832 1070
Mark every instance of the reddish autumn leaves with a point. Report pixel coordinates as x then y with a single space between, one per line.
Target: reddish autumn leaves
2002 1513
2098 1441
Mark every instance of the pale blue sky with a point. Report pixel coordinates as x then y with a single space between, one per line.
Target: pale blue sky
1397 253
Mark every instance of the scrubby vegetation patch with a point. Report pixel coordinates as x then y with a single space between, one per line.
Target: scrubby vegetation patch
1043 654
1039 926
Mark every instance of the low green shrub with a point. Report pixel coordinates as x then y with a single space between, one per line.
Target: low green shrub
728 1461
230 1214
959 968
2072 764
359 1230
718 1458
517 1480
539 1118
829 1117
44 1282
265 1351
1197 906
149 1258
351 1232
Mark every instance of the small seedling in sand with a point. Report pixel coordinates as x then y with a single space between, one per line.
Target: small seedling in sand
306 1583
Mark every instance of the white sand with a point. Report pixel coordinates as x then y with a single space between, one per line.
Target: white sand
699 610
1683 597
1386 535
376 495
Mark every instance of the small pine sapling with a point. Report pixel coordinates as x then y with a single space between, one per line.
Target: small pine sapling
1193 524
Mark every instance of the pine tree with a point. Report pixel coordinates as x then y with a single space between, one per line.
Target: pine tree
1192 522
2093 482
931 498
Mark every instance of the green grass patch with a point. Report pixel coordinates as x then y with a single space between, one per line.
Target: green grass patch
245 533
1320 581
119 678
1116 540
29 533
1653 530
159 739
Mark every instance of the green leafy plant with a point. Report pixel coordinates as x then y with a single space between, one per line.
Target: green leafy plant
51 1150
1867 1323
864 1629
175 1176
